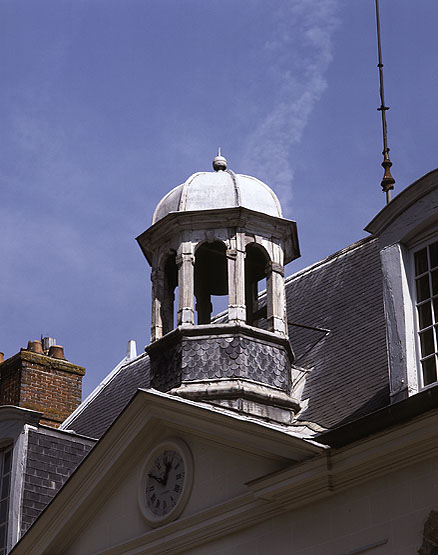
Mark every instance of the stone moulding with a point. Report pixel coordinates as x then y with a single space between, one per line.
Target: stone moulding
234 389
244 396
238 218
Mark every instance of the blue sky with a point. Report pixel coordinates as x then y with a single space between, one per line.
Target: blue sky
105 105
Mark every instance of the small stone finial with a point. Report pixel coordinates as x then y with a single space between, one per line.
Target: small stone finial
219 162
131 351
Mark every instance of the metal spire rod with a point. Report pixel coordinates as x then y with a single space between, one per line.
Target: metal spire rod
387 181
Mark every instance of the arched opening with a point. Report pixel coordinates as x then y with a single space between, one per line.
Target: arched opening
170 285
211 280
256 262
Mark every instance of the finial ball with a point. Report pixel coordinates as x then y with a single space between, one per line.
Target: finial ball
219 163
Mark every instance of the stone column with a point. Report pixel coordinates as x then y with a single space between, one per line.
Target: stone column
157 278
276 301
185 261
236 286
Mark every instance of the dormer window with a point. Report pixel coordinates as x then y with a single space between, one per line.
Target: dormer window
407 232
426 288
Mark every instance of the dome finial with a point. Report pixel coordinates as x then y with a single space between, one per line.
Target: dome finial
219 162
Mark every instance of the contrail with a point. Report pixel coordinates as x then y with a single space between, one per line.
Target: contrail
298 58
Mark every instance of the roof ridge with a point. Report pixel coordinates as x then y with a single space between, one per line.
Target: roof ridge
66 434
330 258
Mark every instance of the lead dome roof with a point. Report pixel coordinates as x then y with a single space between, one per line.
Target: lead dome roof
219 189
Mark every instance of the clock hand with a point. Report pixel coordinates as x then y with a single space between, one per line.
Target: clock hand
156 478
166 475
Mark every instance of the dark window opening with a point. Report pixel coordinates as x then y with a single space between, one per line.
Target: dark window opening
211 280
256 261
170 286
5 486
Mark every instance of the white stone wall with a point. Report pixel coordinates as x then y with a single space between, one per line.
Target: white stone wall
388 512
220 474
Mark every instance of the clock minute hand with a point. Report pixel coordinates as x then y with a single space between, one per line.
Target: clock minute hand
166 475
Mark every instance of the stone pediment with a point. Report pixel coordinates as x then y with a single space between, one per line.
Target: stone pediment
228 450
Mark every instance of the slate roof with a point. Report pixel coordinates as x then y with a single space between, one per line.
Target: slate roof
337 332
51 458
93 418
340 300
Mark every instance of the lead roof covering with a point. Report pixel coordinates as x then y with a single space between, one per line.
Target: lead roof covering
215 190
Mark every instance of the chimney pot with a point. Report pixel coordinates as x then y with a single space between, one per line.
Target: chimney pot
56 351
35 346
2 356
47 343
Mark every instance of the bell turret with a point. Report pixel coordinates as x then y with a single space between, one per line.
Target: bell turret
221 234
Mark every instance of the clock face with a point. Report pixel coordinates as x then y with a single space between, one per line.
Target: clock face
166 482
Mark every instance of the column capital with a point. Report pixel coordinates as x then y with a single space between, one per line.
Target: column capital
184 257
275 267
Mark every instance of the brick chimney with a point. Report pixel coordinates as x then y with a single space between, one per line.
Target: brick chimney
39 378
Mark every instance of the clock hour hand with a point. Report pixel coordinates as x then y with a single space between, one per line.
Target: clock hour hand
156 478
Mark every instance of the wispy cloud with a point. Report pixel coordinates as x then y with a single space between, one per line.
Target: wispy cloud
298 57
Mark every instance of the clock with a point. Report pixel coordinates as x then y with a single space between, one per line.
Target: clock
166 482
